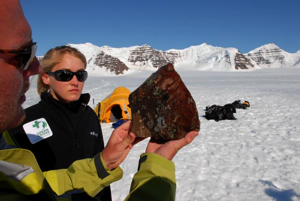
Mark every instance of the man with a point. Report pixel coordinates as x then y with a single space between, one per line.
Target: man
20 175
15 34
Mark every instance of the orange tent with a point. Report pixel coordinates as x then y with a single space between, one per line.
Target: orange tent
114 107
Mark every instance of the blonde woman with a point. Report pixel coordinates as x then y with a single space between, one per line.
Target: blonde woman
71 128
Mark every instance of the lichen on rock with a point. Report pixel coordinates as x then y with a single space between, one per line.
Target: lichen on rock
162 107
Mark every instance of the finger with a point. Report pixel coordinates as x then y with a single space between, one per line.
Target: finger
126 141
124 126
133 140
130 138
189 137
122 131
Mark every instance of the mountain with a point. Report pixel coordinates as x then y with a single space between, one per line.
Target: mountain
207 57
271 56
107 60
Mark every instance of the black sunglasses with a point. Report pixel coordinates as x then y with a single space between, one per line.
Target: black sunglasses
25 56
65 75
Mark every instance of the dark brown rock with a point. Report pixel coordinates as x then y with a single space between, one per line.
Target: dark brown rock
162 107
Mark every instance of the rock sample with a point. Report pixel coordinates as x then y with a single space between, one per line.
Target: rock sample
162 107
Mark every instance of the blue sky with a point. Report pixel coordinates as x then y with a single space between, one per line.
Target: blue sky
165 24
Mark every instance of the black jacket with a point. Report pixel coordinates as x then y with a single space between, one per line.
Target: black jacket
76 132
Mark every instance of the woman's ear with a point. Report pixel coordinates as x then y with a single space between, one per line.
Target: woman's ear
45 78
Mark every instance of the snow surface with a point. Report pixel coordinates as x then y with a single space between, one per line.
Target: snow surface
255 157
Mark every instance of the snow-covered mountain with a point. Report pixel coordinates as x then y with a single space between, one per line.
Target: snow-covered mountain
207 57
116 61
271 56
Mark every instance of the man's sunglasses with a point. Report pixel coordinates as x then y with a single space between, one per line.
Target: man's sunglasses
25 56
65 75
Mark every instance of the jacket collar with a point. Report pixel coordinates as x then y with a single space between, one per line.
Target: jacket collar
74 106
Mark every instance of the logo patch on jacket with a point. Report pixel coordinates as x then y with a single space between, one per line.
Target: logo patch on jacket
94 133
37 130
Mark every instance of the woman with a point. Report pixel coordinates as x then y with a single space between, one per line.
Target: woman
62 128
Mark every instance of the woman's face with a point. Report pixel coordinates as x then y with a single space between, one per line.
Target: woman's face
68 91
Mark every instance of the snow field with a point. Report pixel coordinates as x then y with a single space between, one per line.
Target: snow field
255 157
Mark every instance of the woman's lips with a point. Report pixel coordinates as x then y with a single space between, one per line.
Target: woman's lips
74 90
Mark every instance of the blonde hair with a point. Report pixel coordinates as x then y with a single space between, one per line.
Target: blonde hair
52 58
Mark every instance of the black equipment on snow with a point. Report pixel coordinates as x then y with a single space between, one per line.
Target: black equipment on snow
217 112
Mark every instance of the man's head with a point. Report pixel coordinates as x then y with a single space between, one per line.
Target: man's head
15 37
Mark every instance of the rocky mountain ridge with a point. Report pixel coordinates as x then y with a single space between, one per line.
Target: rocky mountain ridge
117 61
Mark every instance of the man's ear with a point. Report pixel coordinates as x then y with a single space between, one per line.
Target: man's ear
45 78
